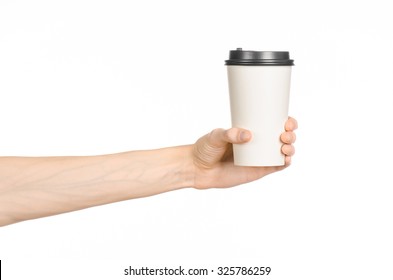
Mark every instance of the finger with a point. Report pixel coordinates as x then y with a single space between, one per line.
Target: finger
288 160
220 137
237 135
288 150
288 137
291 124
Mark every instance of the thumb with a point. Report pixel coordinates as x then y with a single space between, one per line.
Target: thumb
209 149
235 135
220 138
244 135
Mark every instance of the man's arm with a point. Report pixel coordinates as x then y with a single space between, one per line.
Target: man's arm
34 187
43 186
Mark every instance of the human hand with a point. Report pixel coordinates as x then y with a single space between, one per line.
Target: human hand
213 157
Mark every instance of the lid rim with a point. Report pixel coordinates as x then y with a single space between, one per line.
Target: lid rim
256 63
247 57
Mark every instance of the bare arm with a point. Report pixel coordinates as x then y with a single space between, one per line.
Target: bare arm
34 187
37 187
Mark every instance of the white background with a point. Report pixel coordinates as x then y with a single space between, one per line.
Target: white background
94 77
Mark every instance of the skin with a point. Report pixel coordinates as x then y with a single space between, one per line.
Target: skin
35 187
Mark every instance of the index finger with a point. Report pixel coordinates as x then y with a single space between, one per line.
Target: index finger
291 124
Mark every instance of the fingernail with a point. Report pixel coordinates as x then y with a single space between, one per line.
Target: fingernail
245 136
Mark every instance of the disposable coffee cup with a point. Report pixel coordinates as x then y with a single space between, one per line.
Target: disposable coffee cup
259 85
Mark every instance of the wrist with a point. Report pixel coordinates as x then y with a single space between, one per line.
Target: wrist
161 170
184 156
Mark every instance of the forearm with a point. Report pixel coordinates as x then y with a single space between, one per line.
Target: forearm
37 187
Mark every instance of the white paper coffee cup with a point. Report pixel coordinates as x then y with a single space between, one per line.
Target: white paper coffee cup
259 85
